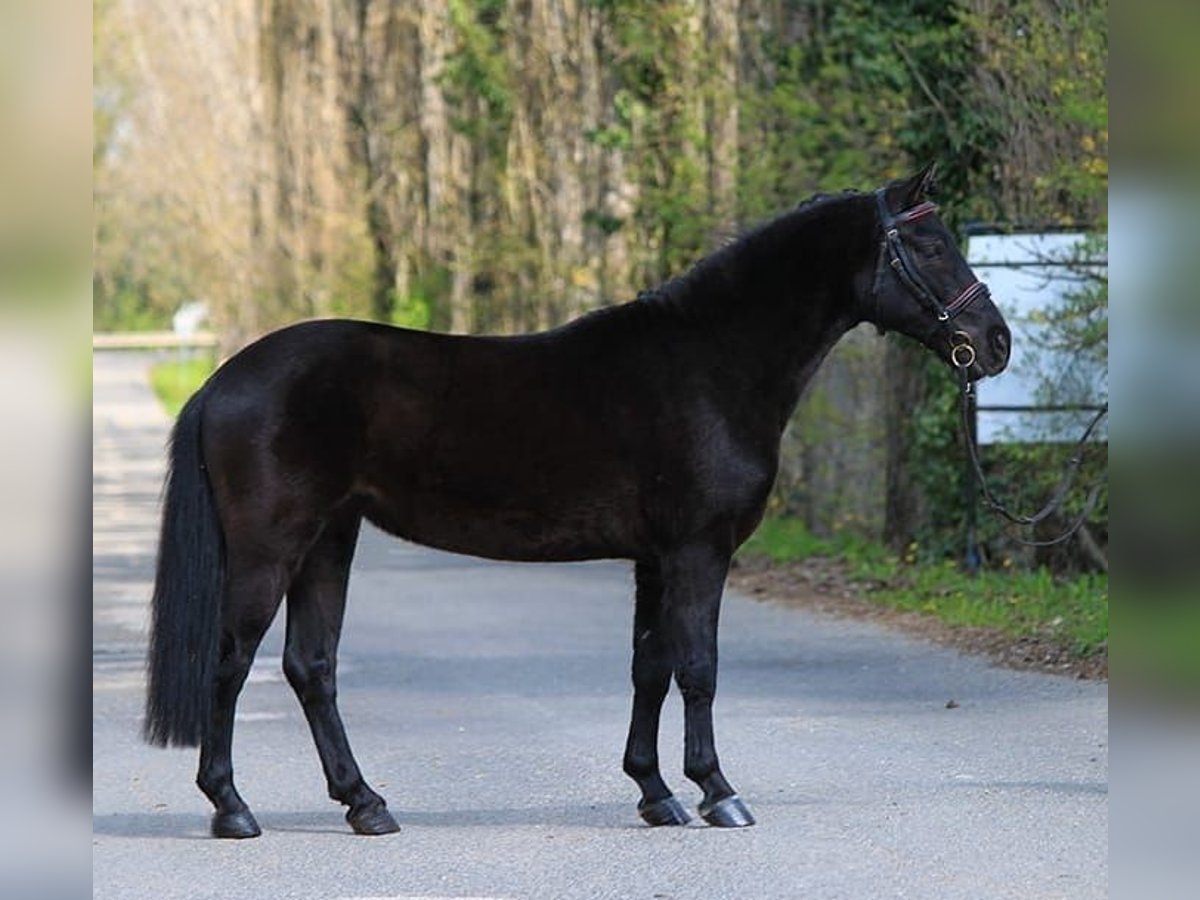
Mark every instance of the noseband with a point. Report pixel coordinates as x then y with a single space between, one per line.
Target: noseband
962 353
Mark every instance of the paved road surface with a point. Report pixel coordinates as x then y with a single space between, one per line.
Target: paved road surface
489 704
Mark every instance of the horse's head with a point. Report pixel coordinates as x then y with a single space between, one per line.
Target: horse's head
924 288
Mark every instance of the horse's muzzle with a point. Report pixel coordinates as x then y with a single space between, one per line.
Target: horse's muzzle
978 363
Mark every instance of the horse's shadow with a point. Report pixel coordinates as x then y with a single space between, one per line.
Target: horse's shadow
188 826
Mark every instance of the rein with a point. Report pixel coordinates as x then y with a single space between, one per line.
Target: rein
1057 498
962 355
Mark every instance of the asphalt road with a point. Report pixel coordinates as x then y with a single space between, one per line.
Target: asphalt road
489 704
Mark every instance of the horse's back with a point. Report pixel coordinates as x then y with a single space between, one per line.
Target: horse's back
503 447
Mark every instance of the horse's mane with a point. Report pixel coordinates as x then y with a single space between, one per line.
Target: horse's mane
717 261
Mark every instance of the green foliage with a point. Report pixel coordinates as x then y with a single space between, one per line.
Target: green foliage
479 71
1025 477
111 81
1042 66
788 540
174 381
127 308
346 291
1072 612
662 82
937 460
412 311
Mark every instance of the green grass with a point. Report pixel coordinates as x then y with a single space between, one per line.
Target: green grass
1073 612
176 380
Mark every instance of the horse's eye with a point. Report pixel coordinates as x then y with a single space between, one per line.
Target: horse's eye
930 249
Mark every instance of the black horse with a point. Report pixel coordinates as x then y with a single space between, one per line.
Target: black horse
647 431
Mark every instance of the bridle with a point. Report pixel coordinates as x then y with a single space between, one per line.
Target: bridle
962 355
900 261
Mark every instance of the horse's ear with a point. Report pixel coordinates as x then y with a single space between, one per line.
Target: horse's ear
921 186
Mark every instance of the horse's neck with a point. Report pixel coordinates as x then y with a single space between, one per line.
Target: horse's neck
774 315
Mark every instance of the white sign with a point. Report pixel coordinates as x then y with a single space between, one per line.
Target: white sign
1030 276
189 317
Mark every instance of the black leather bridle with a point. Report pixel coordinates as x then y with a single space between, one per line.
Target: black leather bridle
900 261
962 354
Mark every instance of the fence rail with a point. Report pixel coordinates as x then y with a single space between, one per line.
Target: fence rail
152 340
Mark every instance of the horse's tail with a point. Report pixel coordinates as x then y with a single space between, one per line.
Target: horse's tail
186 608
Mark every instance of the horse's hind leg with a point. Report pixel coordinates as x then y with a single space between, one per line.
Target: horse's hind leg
651 681
316 602
253 593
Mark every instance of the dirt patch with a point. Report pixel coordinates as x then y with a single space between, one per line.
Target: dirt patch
824 586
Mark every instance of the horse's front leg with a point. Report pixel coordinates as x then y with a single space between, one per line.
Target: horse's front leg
694 579
651 681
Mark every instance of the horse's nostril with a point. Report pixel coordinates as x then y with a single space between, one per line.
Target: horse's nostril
1000 343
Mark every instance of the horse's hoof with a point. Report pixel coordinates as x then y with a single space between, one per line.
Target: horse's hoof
373 819
728 813
666 811
239 824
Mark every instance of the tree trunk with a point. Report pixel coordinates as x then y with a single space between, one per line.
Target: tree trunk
725 47
905 506
369 151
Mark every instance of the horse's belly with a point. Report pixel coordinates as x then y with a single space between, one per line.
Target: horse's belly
510 531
